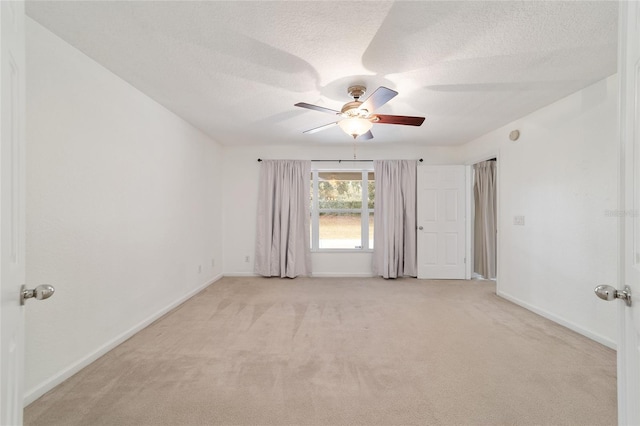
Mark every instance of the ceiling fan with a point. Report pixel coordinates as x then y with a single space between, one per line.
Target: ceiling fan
359 117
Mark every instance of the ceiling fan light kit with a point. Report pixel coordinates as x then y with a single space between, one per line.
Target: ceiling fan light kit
359 117
355 126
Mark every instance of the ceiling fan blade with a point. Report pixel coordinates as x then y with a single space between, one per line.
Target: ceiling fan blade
366 136
317 108
317 129
399 119
381 96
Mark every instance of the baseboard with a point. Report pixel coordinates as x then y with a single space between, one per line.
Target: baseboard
571 326
33 394
241 274
342 275
313 274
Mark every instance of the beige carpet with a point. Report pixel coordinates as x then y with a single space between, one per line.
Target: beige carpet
343 351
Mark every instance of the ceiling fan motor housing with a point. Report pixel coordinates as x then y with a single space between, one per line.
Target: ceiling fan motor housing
352 109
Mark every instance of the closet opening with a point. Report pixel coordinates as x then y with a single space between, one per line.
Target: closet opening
485 219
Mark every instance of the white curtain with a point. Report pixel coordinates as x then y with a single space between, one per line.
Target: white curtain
394 252
282 231
485 219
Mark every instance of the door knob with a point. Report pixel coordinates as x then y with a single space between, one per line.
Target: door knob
420 228
608 293
41 292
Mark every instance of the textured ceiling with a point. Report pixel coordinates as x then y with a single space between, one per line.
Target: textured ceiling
235 69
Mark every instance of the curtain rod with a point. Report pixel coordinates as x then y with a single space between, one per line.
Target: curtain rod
340 161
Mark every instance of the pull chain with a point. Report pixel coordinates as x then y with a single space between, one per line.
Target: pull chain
354 150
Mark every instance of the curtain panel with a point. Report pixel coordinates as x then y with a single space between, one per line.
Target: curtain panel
282 229
394 252
485 219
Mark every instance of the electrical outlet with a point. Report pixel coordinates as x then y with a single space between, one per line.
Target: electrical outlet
246 259
518 220
199 269
213 262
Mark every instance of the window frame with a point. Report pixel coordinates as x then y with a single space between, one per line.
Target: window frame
365 169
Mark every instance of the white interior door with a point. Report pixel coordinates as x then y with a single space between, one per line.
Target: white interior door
441 222
629 316
12 237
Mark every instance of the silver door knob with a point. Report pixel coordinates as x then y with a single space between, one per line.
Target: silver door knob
608 293
41 292
420 228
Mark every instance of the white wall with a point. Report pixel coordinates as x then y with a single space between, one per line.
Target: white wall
123 207
562 176
241 196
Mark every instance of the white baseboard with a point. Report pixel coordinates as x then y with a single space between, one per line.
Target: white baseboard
314 274
571 326
343 274
241 274
36 392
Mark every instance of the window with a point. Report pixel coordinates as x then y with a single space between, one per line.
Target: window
342 209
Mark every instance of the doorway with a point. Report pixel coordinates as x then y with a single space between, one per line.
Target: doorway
484 222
